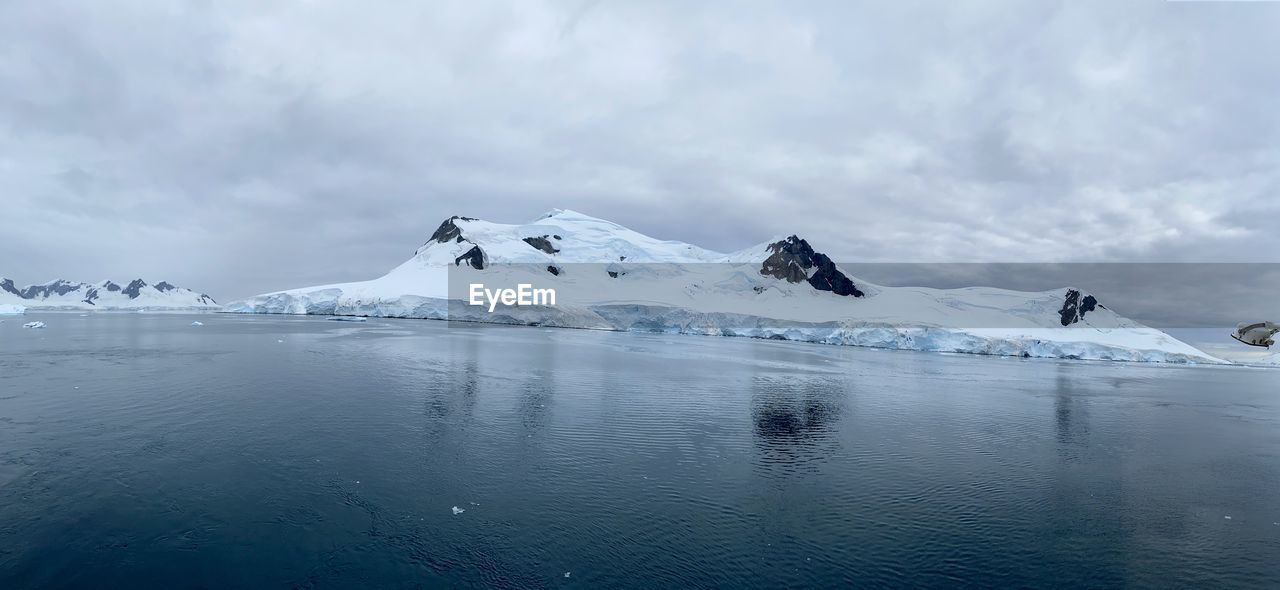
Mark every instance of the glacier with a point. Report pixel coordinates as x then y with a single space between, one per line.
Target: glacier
613 278
12 309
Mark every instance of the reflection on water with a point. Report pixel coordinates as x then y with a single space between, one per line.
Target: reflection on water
1071 417
795 420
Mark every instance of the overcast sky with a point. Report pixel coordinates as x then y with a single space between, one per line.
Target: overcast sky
242 147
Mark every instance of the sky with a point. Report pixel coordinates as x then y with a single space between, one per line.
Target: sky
243 147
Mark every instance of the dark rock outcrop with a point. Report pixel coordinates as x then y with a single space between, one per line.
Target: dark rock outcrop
164 286
542 243
792 260
134 288
90 296
553 270
58 287
449 230
1074 307
112 287
7 286
474 257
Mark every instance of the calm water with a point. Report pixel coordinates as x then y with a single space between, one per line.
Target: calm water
139 450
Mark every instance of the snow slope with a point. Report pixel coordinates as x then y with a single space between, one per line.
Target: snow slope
104 295
609 277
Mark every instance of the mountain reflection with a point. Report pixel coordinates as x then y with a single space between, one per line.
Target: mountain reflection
1071 419
795 420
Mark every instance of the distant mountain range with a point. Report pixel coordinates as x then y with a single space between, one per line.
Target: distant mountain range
610 277
105 295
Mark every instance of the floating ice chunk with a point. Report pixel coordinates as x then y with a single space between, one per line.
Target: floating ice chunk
566 574
348 318
197 323
281 341
33 325
1227 517
457 511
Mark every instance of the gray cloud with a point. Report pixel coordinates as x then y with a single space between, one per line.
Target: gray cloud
237 147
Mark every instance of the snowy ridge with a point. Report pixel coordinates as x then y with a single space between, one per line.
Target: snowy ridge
612 278
103 295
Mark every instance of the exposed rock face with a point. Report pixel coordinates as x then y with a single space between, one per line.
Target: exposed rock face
542 243
90 296
134 288
448 230
793 260
1074 308
58 287
112 287
163 286
8 286
474 257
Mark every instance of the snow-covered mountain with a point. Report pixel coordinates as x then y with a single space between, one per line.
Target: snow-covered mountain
609 277
105 295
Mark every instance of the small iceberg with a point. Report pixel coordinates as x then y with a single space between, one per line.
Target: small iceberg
197 323
457 511
34 325
347 318
12 309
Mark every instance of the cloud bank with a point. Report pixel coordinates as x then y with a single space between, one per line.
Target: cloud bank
242 147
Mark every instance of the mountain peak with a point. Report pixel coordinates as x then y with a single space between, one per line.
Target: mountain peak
570 215
449 230
793 260
134 288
